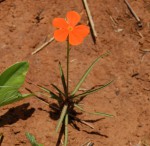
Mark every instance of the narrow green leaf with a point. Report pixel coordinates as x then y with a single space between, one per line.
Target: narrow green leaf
32 140
93 90
58 90
63 113
86 73
93 113
63 78
52 95
66 130
10 82
102 114
13 96
79 107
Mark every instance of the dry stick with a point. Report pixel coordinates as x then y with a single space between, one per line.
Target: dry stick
86 143
113 20
43 45
90 144
140 34
134 14
85 123
146 89
1 138
90 19
145 50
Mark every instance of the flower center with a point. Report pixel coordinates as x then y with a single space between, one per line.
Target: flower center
70 28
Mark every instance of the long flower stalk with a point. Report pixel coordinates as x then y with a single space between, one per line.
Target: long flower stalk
68 57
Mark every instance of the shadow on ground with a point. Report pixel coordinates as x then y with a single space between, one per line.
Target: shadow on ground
16 113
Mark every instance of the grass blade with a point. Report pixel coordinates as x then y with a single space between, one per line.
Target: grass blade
66 130
93 113
86 73
58 90
79 107
93 90
63 78
63 113
52 95
32 140
102 114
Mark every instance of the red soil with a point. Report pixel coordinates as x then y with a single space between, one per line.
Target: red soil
24 25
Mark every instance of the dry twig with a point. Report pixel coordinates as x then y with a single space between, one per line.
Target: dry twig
43 45
86 143
134 14
90 144
1 138
113 20
90 20
140 34
145 50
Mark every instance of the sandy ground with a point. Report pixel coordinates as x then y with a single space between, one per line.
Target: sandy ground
26 24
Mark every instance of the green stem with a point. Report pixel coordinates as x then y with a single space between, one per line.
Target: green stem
66 130
68 51
63 114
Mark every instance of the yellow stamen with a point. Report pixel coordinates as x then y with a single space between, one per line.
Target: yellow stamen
70 28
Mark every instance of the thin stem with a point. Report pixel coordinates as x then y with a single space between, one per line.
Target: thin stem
63 114
66 130
68 51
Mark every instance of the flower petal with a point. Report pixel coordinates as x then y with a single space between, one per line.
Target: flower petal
61 35
60 23
77 35
75 38
82 30
73 18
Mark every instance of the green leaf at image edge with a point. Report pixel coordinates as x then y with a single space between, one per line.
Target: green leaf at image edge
10 82
14 76
14 97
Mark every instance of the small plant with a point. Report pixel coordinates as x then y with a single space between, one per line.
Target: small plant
10 82
74 35
32 140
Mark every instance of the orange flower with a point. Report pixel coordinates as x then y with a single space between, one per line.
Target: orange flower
68 28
